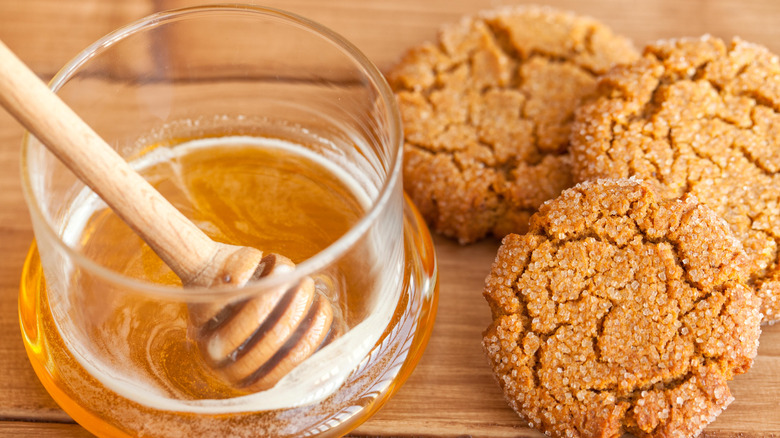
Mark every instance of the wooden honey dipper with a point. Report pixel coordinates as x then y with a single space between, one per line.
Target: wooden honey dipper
252 343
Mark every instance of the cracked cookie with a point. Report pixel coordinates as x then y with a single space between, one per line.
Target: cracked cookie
487 113
619 312
697 116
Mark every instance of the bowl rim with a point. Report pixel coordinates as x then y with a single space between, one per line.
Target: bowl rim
304 268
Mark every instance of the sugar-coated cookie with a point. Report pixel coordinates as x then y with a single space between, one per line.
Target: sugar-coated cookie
702 117
620 312
487 113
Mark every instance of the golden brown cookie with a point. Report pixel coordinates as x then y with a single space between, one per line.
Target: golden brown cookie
702 117
487 112
619 313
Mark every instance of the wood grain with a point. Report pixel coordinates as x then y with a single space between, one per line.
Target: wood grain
451 392
48 33
21 395
15 429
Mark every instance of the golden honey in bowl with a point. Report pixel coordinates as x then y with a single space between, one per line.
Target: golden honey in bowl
265 193
293 147
129 357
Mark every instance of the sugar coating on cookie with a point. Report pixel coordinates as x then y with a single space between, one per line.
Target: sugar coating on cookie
620 313
487 113
702 117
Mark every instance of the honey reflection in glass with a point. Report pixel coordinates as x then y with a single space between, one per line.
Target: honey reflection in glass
290 154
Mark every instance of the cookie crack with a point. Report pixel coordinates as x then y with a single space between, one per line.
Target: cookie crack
760 99
521 297
748 154
756 162
658 173
683 262
647 114
503 42
700 154
587 40
700 73
438 84
706 296
743 151
600 332
754 94
438 152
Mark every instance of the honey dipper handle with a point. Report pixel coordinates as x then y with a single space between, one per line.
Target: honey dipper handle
192 255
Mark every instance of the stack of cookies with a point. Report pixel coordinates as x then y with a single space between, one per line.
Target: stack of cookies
638 197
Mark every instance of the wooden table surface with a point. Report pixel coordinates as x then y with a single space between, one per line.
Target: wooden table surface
452 392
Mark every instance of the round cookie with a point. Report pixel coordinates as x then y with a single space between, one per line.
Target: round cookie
619 312
702 117
487 113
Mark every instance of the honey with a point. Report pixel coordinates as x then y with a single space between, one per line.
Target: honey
267 196
292 146
273 196
130 360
